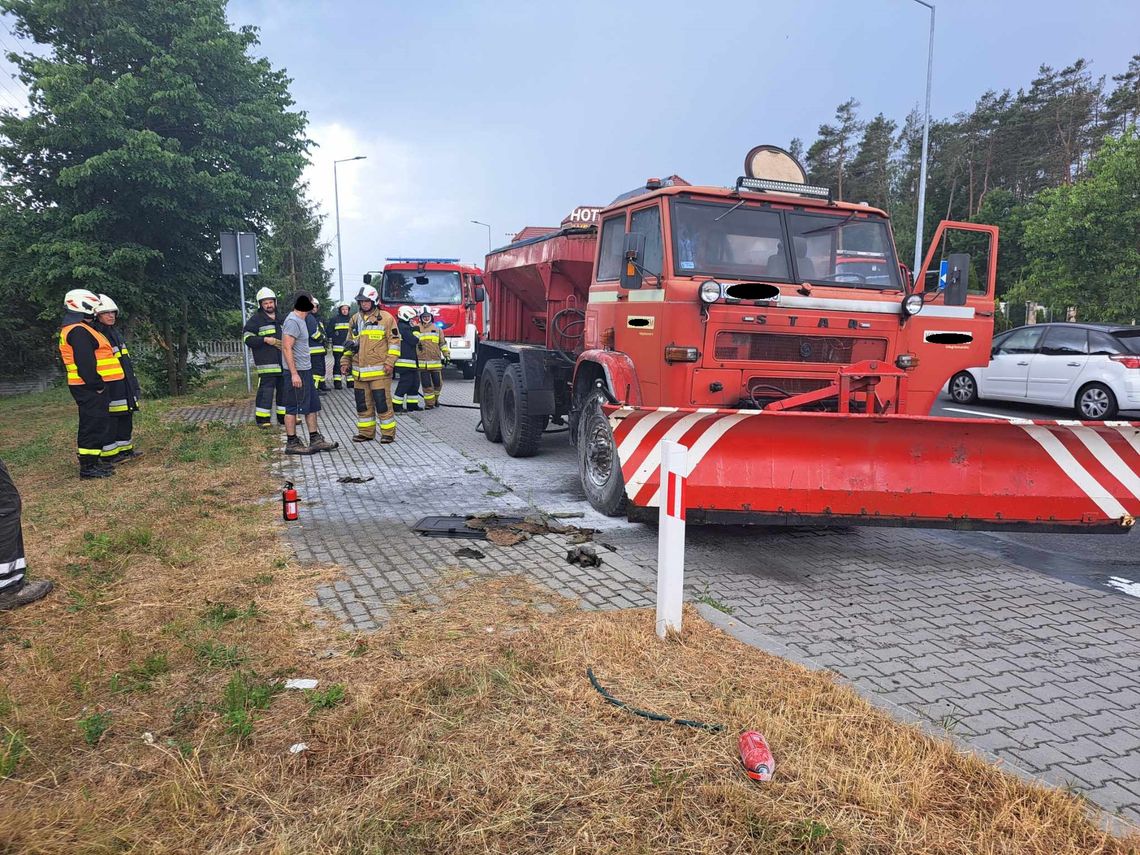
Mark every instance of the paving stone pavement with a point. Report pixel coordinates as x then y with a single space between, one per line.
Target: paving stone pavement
1037 671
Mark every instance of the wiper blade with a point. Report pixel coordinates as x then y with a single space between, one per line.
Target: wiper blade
729 211
832 226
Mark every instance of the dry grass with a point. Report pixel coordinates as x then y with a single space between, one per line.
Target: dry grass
145 695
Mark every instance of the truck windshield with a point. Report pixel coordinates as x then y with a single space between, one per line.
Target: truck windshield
743 242
433 287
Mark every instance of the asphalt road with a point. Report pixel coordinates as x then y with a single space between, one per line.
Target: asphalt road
1099 560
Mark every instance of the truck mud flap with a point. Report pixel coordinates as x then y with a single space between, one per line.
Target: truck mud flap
749 466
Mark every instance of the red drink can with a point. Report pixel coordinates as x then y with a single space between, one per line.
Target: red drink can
756 756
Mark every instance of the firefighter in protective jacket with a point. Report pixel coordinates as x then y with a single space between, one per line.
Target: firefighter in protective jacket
369 356
262 335
317 349
408 364
125 393
336 330
434 354
91 366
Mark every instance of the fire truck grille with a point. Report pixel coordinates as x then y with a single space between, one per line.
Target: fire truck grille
776 347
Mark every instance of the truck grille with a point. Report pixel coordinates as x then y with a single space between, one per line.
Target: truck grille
776 347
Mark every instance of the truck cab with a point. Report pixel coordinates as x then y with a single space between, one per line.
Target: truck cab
453 290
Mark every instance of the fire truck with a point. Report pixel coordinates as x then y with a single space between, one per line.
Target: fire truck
446 285
772 331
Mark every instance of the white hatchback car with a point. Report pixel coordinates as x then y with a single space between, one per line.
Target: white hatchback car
1091 368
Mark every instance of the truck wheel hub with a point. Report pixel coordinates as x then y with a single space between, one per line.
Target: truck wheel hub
599 455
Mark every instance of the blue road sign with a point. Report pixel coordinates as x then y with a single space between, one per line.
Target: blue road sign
942 271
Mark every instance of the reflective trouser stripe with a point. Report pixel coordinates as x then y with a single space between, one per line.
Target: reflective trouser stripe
118 406
262 412
430 396
365 423
92 452
405 363
14 570
388 425
280 411
268 369
316 351
399 401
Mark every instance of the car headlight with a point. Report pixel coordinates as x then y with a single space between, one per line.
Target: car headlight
710 291
912 305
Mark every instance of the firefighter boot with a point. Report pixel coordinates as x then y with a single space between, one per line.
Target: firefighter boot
92 469
336 384
27 592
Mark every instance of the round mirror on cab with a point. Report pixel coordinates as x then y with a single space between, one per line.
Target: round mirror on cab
775 164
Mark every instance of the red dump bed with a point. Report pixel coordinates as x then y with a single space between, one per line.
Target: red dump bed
538 288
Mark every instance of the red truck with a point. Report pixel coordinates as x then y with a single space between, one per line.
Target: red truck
450 288
773 332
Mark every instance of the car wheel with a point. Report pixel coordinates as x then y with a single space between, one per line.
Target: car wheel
598 463
964 388
489 384
1095 402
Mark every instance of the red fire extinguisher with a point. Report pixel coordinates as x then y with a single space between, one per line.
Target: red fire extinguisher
756 757
289 502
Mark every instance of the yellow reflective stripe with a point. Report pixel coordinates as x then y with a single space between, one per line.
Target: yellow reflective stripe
390 424
366 423
262 411
405 363
92 452
266 330
394 351
373 332
268 369
341 326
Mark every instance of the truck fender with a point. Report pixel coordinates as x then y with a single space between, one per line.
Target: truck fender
617 369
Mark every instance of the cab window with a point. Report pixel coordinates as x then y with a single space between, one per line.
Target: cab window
1024 340
609 253
1065 341
647 221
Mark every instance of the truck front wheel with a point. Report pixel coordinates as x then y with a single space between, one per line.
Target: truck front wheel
489 384
598 463
468 370
521 431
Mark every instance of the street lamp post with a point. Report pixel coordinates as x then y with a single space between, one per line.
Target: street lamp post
925 145
336 202
476 222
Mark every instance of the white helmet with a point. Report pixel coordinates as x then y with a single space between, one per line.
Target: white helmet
106 304
266 294
425 309
343 304
316 304
367 292
81 300
406 313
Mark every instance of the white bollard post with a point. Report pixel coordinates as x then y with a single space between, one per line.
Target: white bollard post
671 538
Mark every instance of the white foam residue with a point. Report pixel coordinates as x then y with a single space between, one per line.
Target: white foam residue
1126 586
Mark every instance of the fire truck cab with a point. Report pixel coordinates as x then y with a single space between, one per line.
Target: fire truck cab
454 290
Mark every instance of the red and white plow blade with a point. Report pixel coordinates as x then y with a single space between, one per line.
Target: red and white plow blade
792 467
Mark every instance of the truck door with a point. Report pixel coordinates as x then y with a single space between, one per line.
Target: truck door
1053 372
954 329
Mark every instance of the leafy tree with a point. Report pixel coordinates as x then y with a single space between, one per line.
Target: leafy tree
151 129
293 254
829 155
1122 107
1082 238
871 175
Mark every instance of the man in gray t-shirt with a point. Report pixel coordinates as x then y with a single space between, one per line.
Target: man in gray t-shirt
301 398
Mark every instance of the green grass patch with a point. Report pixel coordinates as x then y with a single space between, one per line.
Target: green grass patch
140 677
219 614
326 700
94 726
214 443
708 599
243 695
13 744
217 655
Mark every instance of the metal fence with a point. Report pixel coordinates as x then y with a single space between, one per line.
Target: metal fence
224 353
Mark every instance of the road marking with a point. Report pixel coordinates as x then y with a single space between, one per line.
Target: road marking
1125 586
1080 476
983 415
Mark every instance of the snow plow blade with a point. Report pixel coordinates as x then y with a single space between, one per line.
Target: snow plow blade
797 468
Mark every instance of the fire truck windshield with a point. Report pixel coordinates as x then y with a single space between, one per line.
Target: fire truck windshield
727 240
433 287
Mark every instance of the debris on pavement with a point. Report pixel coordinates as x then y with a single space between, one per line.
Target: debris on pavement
507 531
353 479
505 536
468 552
583 556
298 747
301 683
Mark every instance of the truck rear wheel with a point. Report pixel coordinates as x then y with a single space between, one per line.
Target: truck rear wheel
489 384
468 370
521 431
598 463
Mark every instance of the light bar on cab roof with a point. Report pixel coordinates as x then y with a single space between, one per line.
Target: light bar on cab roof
424 260
768 185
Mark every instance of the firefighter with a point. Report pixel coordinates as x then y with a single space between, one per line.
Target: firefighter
15 589
336 330
407 395
317 349
263 337
433 354
91 366
374 345
125 393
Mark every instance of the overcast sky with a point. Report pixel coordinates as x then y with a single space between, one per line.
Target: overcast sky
513 113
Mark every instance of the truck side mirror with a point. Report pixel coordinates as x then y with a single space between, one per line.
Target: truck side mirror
632 250
478 280
480 291
367 278
957 279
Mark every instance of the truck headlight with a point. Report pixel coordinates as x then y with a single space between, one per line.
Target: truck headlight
912 305
710 291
